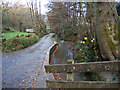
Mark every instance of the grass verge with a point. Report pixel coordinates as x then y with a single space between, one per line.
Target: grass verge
54 40
10 35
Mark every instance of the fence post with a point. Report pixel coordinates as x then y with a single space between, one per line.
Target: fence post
70 75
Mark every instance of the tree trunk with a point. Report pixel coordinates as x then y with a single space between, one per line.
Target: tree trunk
106 28
119 39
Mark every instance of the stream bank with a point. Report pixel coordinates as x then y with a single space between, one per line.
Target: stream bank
64 51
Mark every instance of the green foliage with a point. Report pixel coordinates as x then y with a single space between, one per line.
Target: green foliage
77 47
19 42
116 77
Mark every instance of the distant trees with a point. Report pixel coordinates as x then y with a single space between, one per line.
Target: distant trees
16 16
37 19
21 17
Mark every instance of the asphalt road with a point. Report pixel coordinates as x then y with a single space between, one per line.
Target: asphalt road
25 68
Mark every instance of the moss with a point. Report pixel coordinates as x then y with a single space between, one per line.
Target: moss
115 27
119 38
115 36
108 48
110 31
113 47
106 33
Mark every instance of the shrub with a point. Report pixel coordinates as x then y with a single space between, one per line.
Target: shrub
3 40
86 50
18 43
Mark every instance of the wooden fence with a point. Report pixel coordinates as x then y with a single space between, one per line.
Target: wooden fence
105 66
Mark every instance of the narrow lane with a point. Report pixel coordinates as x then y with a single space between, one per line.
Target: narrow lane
22 69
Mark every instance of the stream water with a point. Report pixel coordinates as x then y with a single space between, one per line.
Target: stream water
64 53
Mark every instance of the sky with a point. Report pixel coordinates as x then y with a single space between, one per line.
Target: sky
43 2
43 8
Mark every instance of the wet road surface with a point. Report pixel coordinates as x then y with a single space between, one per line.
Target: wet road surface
25 68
